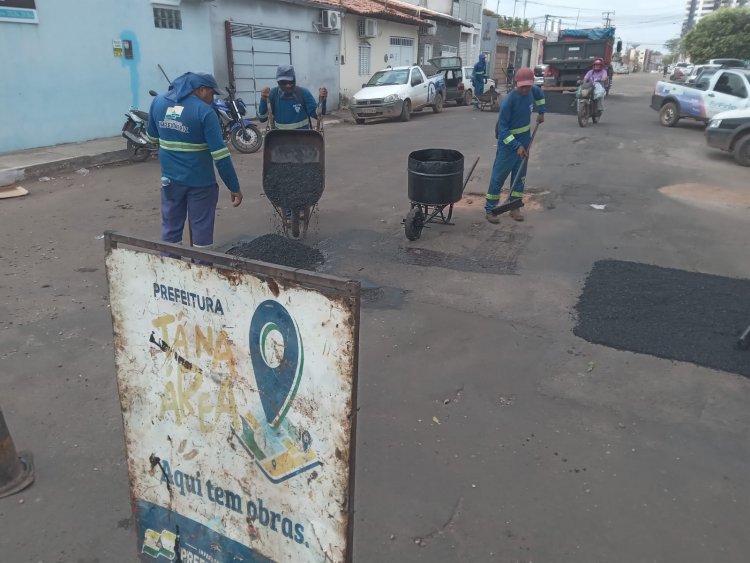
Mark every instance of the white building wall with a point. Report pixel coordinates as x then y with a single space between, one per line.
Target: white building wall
380 51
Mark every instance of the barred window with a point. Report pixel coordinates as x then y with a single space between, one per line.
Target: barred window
364 60
167 18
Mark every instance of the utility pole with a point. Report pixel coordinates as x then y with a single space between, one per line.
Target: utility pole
607 17
524 9
578 17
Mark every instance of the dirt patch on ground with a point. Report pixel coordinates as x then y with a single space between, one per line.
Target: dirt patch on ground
534 201
706 196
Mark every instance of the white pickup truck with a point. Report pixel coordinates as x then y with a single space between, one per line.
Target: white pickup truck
396 92
726 90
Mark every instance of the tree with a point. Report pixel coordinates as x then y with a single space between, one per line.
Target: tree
515 24
725 33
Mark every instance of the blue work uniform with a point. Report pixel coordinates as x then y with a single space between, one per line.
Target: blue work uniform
190 144
478 76
290 111
512 131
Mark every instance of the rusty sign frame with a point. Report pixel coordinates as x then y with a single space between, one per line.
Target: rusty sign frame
328 285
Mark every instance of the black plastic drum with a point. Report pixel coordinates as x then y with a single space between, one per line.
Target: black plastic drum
436 176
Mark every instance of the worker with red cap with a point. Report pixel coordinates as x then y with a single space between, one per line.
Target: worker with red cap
513 133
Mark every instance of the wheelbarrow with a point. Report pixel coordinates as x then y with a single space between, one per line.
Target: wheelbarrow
294 176
435 183
489 100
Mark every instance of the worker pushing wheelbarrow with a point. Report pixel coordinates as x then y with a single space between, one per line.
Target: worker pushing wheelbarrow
294 157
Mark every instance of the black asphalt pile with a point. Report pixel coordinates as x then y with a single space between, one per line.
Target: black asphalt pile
277 249
668 313
292 185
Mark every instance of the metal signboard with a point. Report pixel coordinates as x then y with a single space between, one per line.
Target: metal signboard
237 384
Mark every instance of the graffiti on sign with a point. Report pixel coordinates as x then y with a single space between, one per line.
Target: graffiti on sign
237 400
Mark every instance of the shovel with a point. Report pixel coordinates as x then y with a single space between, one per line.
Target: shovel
510 204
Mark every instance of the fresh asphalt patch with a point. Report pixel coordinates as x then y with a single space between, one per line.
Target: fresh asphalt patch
277 249
668 313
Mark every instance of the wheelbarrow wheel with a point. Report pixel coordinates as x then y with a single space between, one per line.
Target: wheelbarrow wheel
414 223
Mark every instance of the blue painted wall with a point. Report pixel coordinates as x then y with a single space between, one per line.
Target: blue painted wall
61 82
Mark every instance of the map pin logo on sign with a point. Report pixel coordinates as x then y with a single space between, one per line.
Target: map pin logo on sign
277 357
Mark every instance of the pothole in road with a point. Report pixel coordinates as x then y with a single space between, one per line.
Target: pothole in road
707 196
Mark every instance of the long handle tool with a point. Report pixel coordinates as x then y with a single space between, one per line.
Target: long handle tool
509 203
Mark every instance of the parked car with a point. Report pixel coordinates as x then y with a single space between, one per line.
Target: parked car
397 92
468 87
703 78
728 63
730 131
727 89
699 69
452 71
681 73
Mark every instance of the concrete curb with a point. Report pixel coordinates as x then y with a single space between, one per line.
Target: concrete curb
10 176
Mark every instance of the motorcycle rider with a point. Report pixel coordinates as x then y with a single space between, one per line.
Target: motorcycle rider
293 107
478 79
598 75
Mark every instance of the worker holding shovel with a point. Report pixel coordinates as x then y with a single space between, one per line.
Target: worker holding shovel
513 133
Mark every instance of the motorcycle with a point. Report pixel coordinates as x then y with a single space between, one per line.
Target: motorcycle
587 106
134 130
241 132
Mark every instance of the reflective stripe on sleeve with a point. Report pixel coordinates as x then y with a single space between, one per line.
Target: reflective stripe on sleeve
521 129
540 102
221 153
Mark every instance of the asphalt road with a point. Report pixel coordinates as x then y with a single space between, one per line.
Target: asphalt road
547 448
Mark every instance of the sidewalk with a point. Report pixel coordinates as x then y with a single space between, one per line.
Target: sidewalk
45 161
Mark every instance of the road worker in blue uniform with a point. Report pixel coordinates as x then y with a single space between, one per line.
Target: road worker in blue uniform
478 79
513 133
187 129
293 107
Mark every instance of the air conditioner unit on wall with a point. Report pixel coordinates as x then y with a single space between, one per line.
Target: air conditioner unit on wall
371 27
428 29
331 20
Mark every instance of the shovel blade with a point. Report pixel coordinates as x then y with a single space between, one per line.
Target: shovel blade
508 206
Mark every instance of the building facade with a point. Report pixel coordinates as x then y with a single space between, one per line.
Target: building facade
697 9
371 39
112 58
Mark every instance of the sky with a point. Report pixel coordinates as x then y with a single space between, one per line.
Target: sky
645 22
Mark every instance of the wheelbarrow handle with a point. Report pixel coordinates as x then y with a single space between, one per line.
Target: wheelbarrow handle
471 171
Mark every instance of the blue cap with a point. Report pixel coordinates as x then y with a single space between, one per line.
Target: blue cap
208 80
285 72
184 85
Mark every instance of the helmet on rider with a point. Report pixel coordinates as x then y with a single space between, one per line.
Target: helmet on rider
598 64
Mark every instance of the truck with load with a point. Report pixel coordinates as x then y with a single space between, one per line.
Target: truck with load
570 57
727 89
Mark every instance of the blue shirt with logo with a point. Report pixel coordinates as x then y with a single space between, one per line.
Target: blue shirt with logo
190 142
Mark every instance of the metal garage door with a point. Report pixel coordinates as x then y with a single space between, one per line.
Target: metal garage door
401 51
501 65
253 53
